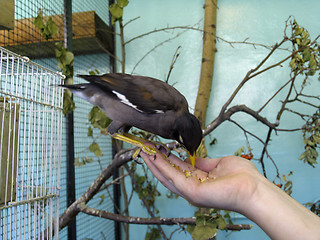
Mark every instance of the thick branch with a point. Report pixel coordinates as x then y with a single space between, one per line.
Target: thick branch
121 158
227 115
150 221
208 54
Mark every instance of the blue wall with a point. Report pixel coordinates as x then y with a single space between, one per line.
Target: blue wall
263 22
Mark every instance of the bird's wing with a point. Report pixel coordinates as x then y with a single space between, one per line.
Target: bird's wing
145 94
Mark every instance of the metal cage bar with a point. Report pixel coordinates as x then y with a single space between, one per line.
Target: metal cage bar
30 148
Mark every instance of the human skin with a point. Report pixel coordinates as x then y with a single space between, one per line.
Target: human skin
234 183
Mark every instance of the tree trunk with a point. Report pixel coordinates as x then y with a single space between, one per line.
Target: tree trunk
208 53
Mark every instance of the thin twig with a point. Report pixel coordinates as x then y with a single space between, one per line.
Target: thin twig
174 59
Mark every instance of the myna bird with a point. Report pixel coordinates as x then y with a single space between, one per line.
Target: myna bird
143 102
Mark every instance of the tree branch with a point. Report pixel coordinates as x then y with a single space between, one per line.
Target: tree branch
82 207
121 158
227 115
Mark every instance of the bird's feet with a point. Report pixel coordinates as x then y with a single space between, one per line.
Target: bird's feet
138 142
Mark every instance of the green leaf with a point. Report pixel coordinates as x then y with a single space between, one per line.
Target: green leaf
95 148
68 58
52 27
102 197
38 21
90 132
77 163
122 3
239 151
298 30
98 119
68 103
116 11
152 234
86 159
204 232
94 72
316 139
306 54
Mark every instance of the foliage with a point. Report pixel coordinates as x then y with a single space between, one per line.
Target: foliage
207 225
95 148
152 234
314 207
65 58
116 10
47 28
84 160
146 190
98 119
311 135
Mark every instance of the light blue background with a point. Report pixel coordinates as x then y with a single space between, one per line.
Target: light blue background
260 21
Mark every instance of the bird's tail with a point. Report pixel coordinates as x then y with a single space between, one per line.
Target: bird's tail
75 87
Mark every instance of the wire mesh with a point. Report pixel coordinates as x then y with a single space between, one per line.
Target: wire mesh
30 147
26 39
92 39
99 228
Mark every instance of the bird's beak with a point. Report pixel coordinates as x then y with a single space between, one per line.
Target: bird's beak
192 158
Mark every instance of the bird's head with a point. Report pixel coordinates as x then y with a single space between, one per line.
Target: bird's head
189 134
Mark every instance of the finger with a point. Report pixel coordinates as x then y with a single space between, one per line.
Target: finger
207 164
178 174
157 173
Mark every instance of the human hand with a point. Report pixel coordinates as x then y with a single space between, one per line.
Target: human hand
233 183
225 183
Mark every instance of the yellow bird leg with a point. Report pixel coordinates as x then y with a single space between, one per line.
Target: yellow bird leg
138 142
136 153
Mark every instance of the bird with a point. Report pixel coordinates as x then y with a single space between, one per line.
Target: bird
143 102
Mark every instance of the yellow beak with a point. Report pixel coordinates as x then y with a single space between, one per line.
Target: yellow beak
192 158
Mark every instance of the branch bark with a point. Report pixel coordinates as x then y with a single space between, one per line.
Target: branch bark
72 211
208 54
150 221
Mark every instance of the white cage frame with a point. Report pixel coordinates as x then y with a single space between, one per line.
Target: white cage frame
30 148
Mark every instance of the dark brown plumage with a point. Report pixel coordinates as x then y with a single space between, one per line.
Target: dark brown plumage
143 102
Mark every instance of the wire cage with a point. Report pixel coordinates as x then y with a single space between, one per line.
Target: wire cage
92 41
30 148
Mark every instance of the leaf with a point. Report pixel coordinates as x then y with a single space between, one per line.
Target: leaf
94 72
38 21
222 224
316 139
116 11
239 151
152 234
86 159
204 232
95 148
102 197
122 3
90 132
52 27
77 163
98 119
298 30
68 103
68 57
293 64
306 54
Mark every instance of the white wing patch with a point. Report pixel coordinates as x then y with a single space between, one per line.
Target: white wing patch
124 100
